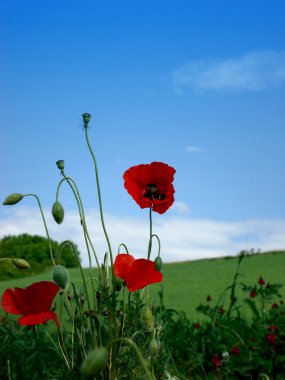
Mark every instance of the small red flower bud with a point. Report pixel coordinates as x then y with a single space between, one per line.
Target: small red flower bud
235 350
274 306
221 310
271 338
252 293
197 325
261 281
216 361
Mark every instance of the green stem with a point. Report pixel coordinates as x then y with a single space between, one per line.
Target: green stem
68 242
158 241
87 239
123 245
99 197
137 351
6 258
150 234
79 202
43 218
112 317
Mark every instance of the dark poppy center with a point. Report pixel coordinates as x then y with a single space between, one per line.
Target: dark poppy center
151 191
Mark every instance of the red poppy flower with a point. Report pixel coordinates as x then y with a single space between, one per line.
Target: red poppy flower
136 273
271 338
274 306
272 327
151 185
33 303
252 293
197 325
261 281
216 361
235 350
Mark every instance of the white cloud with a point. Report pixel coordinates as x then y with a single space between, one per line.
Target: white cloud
194 149
182 238
252 72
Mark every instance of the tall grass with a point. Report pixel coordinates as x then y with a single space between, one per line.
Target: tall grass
187 284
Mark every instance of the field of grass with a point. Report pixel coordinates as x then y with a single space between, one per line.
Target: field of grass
187 284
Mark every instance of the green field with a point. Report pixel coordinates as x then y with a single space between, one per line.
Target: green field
187 284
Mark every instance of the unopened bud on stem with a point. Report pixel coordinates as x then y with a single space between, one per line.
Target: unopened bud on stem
12 199
86 118
21 263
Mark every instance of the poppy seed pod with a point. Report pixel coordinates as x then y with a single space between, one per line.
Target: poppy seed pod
12 199
86 118
60 164
158 263
21 263
57 212
60 276
153 346
95 362
147 319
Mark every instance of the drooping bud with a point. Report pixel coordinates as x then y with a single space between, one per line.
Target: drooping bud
147 319
12 199
21 263
60 164
86 118
158 263
60 276
95 362
153 346
57 212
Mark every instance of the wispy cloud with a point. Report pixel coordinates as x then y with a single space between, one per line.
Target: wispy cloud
182 238
194 149
254 71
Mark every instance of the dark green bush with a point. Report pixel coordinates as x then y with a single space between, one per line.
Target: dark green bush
34 249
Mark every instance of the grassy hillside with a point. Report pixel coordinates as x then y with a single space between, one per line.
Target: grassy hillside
187 284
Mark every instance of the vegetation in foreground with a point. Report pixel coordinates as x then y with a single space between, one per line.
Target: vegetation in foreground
112 330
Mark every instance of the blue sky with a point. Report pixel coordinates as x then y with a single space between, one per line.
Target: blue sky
199 85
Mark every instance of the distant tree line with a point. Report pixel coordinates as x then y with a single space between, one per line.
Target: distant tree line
34 249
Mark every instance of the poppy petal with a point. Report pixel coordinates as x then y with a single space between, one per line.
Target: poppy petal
36 319
141 274
8 302
122 265
157 175
36 298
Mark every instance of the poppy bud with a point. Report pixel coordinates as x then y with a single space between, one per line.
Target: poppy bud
95 362
12 199
147 319
21 263
60 276
153 346
86 118
70 296
158 263
57 212
60 164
